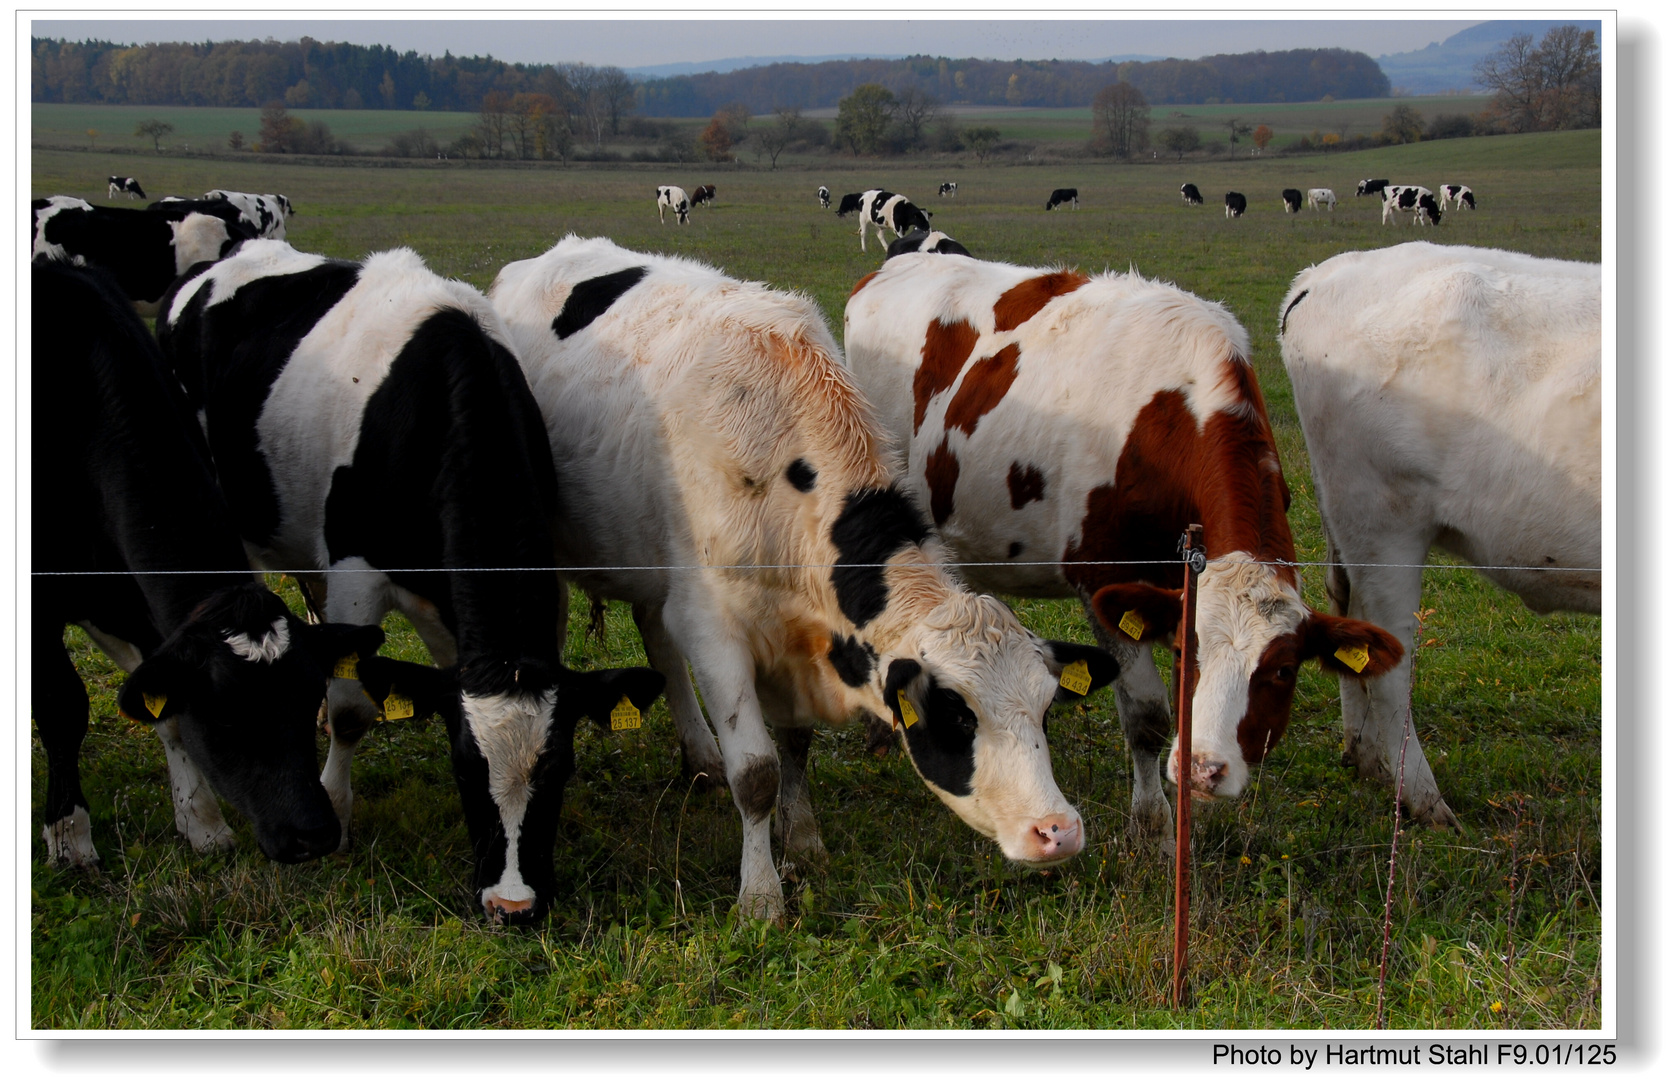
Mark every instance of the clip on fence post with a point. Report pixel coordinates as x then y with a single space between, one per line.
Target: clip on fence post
1195 561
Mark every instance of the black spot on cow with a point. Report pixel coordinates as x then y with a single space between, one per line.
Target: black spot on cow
875 523
756 784
854 660
801 475
941 740
590 299
1014 548
1283 323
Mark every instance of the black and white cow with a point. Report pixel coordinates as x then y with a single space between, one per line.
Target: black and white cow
373 430
922 240
723 405
1291 200
1192 194
123 185
949 188
1371 186
145 250
849 204
1410 198
676 199
1321 196
822 196
704 195
132 539
1457 194
1063 195
1235 204
267 214
885 210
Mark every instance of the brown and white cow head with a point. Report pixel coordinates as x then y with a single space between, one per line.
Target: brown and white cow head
1253 633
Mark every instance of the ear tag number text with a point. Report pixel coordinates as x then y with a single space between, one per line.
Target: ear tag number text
1076 677
908 710
625 716
346 667
1354 656
398 707
155 703
1132 624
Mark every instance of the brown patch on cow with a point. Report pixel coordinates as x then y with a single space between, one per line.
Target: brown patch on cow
941 473
944 353
1028 298
982 388
1271 691
862 281
1026 484
756 784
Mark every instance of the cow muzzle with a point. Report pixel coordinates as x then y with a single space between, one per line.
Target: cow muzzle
1054 838
506 906
1210 775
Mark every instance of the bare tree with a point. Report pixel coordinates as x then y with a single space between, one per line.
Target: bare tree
618 95
1238 127
915 108
591 104
1120 119
773 138
154 130
1546 87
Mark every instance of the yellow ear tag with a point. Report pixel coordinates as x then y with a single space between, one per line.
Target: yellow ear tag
346 668
1132 624
1354 656
1076 677
908 710
398 707
625 716
155 703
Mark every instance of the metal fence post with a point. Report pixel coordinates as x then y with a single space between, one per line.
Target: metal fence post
1195 561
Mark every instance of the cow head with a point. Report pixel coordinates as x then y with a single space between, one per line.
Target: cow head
241 681
510 739
969 691
1252 635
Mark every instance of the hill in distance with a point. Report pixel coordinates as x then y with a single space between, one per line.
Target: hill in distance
1449 65
736 63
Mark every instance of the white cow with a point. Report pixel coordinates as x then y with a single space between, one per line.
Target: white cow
1459 195
1321 196
1450 398
675 198
707 426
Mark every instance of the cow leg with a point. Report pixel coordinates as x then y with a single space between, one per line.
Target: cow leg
701 759
60 705
198 816
796 825
1141 699
361 598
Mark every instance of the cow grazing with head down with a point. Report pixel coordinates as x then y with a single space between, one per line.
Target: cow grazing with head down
704 195
132 539
675 198
1063 195
801 585
123 185
920 240
145 250
822 196
267 214
375 433
1060 430
1291 200
849 204
1321 196
1235 204
1459 195
949 188
885 210
1450 398
1192 194
1370 186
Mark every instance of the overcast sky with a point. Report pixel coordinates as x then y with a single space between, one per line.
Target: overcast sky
639 39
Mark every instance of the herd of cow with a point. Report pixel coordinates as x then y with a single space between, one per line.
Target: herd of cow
804 527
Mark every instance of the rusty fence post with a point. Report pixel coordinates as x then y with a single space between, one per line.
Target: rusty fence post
1195 561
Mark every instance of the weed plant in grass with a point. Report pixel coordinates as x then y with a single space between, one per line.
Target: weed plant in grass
917 922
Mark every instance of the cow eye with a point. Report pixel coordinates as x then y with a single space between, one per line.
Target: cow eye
1285 673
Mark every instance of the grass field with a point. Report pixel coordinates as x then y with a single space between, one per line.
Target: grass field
917 923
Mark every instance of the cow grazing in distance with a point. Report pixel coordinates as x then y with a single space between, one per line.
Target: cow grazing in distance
822 196
1192 194
885 210
1371 186
267 214
949 188
921 240
1291 200
132 539
1062 195
704 195
375 434
849 204
1411 198
145 250
1459 195
1061 431
123 185
803 587
675 198
1450 398
1321 196
1235 204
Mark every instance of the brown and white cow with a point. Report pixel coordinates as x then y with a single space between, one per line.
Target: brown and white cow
706 428
1062 430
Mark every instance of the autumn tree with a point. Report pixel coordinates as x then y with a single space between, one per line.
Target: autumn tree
1403 125
1120 120
156 130
278 131
715 141
1551 86
864 116
1262 135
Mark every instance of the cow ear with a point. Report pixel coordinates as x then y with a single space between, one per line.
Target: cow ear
1073 680
596 694
1135 611
334 642
901 678
1349 647
157 690
431 690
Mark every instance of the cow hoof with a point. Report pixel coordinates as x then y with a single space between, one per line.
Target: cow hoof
1435 813
70 842
763 906
220 839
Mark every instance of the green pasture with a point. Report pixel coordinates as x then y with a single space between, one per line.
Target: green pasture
917 922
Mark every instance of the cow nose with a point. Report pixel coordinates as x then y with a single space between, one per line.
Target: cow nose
1054 838
504 910
301 845
1207 772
